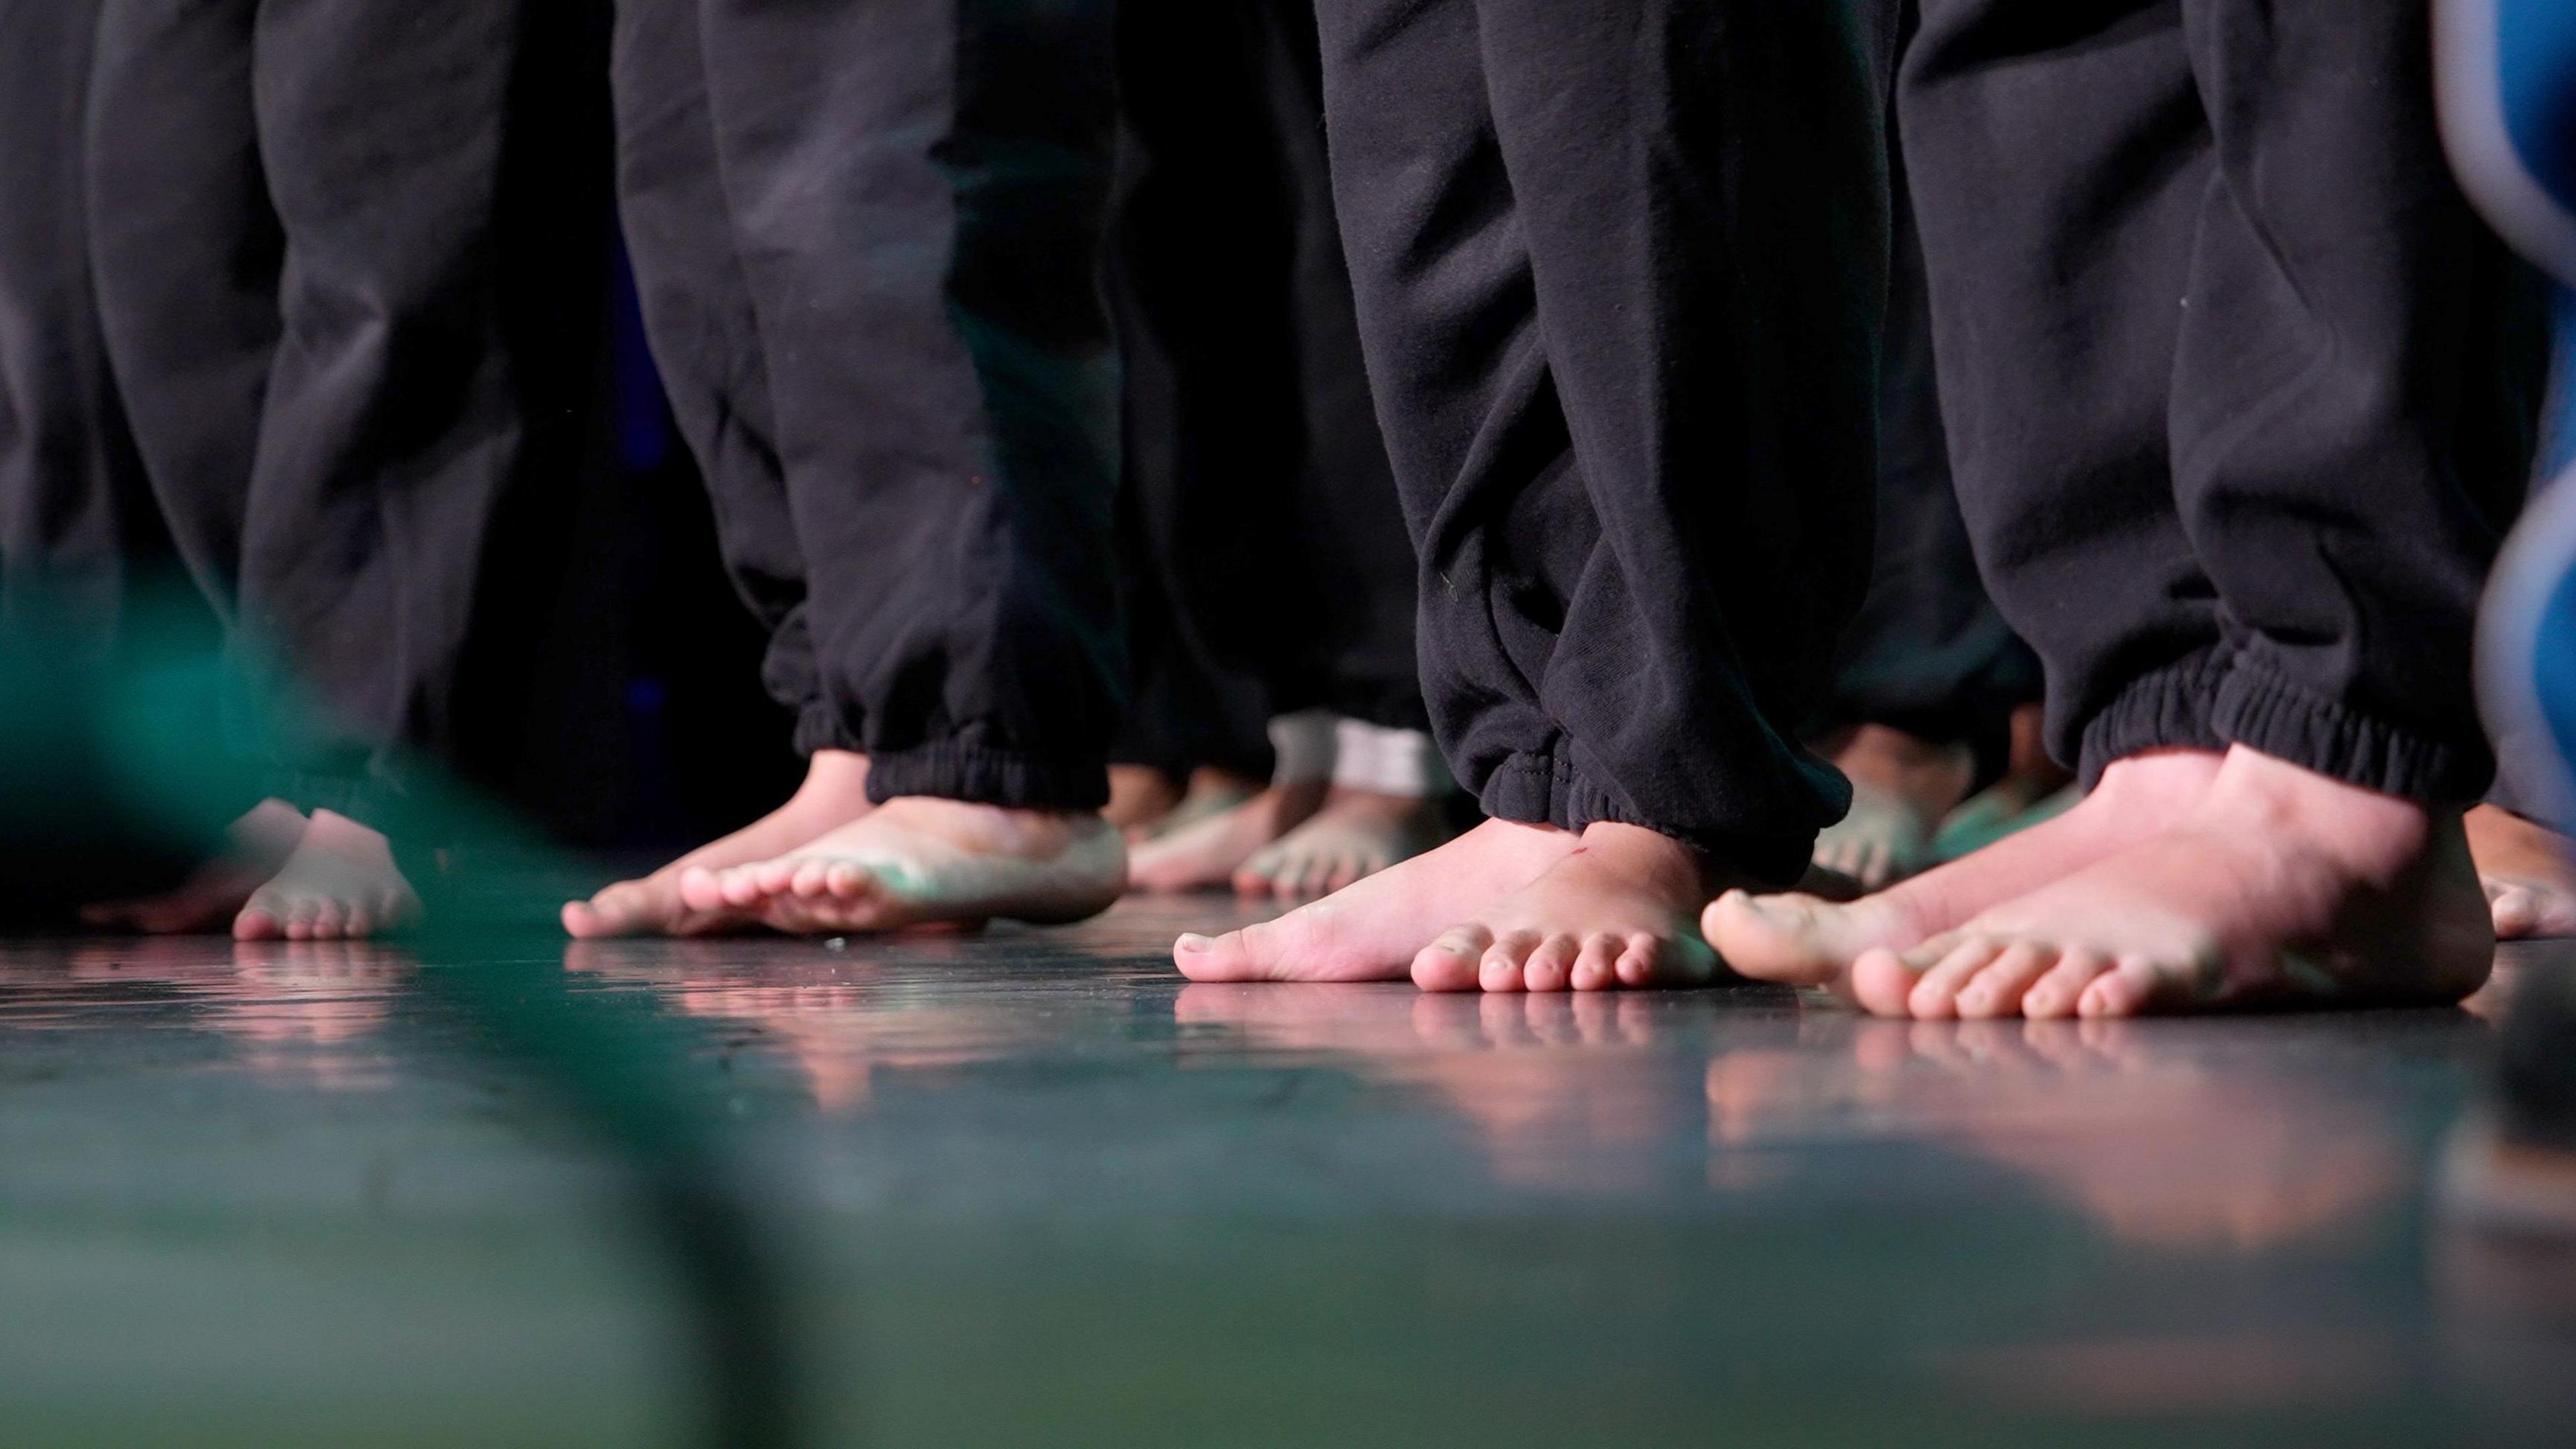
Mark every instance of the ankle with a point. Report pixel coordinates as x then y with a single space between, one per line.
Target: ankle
2263 794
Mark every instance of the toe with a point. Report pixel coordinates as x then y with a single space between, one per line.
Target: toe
2132 987
1998 989
259 921
1500 967
1940 974
1550 967
2055 994
1641 961
1449 963
810 880
1596 966
1782 938
2516 909
1882 983
742 887
702 890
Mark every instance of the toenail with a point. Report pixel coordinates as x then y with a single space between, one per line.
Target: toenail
1194 942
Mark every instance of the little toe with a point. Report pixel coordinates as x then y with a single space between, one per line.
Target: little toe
1450 962
2130 988
1550 967
2055 994
2516 909
1998 989
1596 965
1641 961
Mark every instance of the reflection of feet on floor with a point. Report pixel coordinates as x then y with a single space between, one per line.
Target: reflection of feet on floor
835 793
339 884
2281 887
256 847
1140 796
1372 931
920 861
1902 787
1357 834
2528 874
1206 854
1806 941
1621 911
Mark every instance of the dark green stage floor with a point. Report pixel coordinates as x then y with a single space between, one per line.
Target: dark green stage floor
1030 1190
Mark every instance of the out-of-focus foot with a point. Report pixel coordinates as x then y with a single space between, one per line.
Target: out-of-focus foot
835 792
2282 888
1618 912
1902 787
1140 797
340 884
1802 940
920 861
256 848
1373 930
2527 872
1357 834
1205 855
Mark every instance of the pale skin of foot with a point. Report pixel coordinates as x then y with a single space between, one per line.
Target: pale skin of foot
1357 834
834 793
1206 854
1617 913
919 862
1803 940
1373 930
1140 797
1211 791
257 847
341 884
2526 870
1901 788
2282 887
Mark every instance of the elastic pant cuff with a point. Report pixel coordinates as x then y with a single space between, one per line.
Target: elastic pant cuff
2169 709
2257 708
1402 763
1537 790
951 771
820 727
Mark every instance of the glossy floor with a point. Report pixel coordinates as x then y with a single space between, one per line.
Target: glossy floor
1031 1189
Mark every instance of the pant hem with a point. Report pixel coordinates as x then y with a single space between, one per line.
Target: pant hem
2169 709
952 771
2259 709
820 727
1546 790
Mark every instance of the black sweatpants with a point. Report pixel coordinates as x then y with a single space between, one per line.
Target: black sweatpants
1273 571
1619 272
293 210
72 509
867 238
2236 396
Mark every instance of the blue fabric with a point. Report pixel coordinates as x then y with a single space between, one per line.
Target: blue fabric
2536 50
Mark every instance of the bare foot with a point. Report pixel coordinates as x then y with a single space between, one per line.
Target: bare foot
1902 787
919 861
1372 931
2527 871
1617 912
1140 796
256 847
1357 834
2282 887
339 885
835 793
1206 855
1212 791
1805 941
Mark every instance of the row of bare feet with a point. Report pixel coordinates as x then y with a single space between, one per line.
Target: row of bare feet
1285 842
2187 880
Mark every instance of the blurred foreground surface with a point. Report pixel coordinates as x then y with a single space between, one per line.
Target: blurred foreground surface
1031 1189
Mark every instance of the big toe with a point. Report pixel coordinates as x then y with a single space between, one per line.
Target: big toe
1234 956
1796 939
1454 961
